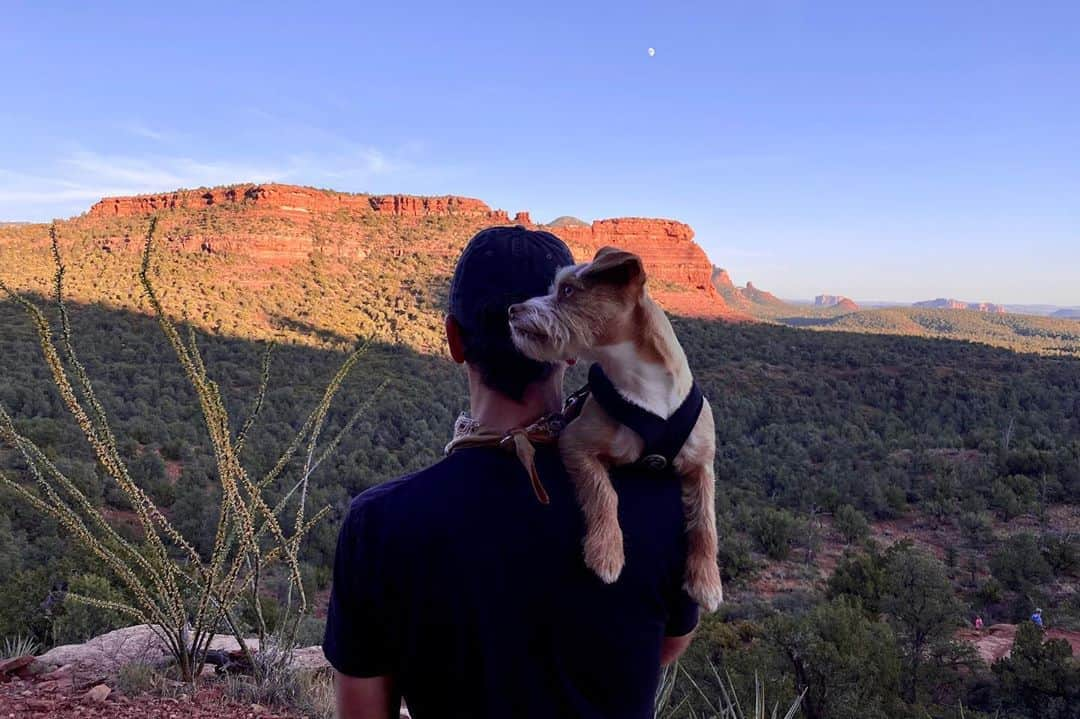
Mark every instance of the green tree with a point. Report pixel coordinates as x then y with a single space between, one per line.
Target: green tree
861 577
977 528
775 531
847 663
1019 563
851 523
1039 679
920 603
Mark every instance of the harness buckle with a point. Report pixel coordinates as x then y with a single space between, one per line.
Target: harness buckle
655 462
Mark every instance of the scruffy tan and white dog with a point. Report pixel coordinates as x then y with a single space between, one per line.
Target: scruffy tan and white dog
601 312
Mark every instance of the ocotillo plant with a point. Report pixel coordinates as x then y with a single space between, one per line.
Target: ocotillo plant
183 596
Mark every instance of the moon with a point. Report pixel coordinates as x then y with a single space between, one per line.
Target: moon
652 51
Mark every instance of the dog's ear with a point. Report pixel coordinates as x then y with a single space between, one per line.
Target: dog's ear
614 267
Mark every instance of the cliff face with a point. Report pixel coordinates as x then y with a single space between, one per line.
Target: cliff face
721 280
294 200
276 225
679 271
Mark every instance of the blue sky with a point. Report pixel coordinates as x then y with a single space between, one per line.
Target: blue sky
894 151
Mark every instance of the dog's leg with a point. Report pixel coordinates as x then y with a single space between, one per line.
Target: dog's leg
600 505
699 505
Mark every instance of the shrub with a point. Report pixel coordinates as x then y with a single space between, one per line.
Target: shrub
775 531
859 577
1013 495
733 554
977 528
276 683
1019 563
1039 678
851 523
17 646
1062 553
137 677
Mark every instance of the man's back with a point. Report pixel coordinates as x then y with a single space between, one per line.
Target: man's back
473 595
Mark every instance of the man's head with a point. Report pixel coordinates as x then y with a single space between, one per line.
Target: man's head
500 266
589 305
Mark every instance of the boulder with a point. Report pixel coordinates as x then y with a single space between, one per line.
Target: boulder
105 654
11 667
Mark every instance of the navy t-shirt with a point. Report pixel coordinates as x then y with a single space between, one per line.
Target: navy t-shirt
474 596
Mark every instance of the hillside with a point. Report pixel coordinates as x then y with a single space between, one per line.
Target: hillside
1024 333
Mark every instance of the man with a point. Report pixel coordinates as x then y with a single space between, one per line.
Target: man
462 587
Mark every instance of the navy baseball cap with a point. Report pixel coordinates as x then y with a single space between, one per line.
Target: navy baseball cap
502 266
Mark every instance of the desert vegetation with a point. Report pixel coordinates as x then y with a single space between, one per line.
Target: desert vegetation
155 575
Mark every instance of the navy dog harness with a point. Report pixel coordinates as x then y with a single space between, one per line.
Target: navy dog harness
663 438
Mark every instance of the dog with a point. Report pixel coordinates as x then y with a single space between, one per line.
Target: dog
601 312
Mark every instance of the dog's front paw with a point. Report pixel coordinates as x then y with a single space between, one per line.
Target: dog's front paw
703 583
604 554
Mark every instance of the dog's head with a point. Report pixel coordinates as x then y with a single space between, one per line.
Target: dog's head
589 305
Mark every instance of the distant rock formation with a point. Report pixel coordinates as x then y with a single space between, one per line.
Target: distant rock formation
567 221
742 298
942 303
293 200
761 297
1068 314
278 225
836 301
721 280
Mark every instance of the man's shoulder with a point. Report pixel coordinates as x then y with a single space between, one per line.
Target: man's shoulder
404 492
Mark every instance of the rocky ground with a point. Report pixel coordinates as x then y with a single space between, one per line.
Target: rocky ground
27 698
80 680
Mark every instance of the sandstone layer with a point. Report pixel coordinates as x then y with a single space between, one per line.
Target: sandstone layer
275 225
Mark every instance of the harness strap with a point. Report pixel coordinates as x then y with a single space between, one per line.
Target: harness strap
663 438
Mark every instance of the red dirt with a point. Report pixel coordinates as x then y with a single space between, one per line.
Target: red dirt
26 700
996 641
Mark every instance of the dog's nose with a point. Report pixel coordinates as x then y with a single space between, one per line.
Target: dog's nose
512 310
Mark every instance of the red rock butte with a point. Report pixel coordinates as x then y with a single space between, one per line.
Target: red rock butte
277 225
292 199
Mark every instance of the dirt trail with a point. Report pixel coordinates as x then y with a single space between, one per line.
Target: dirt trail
996 641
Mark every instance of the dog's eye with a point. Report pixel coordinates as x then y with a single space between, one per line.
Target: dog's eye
567 290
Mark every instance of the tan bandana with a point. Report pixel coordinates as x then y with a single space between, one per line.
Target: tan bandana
470 433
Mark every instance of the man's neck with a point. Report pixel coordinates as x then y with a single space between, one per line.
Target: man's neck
498 412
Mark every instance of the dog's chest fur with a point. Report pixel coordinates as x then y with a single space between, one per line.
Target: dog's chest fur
650 385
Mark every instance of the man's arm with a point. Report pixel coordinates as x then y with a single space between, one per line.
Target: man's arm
366 698
673 648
